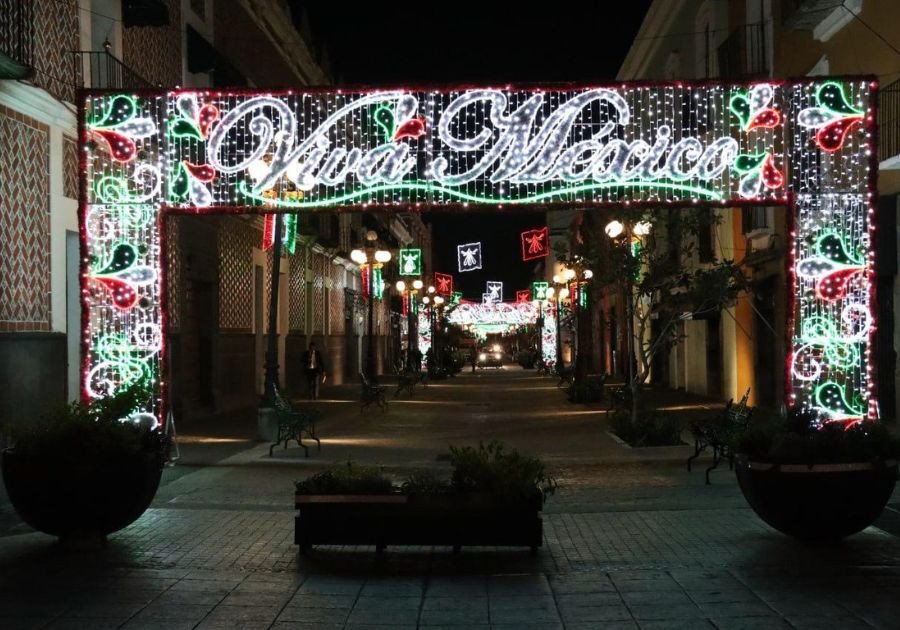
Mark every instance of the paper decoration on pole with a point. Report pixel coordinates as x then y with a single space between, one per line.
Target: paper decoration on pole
535 243
443 284
410 261
539 290
495 288
288 232
523 295
469 256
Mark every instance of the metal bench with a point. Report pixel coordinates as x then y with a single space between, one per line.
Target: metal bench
619 399
718 433
292 424
372 393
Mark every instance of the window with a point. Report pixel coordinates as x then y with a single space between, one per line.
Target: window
705 248
755 218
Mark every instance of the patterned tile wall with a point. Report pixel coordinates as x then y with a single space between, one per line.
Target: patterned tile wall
236 240
336 320
174 274
297 292
24 223
70 168
318 295
55 36
155 52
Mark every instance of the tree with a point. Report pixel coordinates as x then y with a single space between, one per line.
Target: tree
663 271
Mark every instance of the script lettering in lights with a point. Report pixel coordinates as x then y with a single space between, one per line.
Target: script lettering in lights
653 146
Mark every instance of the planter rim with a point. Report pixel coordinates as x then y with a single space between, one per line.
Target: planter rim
745 462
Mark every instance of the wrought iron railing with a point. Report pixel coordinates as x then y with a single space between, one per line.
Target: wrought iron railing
102 70
17 39
744 53
889 121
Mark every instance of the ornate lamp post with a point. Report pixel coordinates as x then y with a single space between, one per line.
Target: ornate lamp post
371 259
412 332
559 291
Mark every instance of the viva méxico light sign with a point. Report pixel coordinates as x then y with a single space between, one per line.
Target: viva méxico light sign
807 145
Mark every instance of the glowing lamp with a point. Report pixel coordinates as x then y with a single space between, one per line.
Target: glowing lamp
417 285
642 228
401 286
382 256
359 257
614 229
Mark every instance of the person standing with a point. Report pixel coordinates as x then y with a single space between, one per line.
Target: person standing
315 370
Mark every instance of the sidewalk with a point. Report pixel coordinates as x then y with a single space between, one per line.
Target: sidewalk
631 540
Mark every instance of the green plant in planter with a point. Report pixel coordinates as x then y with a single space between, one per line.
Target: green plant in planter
86 469
346 479
801 438
649 428
814 480
489 468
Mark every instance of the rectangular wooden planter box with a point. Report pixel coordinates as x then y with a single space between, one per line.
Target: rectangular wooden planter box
456 520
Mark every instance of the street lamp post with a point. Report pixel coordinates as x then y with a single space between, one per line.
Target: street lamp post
412 328
271 368
372 258
615 229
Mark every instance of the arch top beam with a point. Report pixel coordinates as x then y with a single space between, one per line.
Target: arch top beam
807 144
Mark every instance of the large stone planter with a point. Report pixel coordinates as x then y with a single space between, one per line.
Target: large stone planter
456 520
91 499
817 502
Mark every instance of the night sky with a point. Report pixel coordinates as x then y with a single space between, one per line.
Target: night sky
410 44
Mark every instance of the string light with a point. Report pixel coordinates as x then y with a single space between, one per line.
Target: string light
674 144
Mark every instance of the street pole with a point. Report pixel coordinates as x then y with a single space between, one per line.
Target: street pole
271 376
370 362
559 361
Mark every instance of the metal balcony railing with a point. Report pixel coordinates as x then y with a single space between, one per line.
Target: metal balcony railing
743 54
17 39
889 121
102 70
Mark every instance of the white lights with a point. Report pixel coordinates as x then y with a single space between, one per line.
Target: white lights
400 286
613 229
358 256
641 228
382 256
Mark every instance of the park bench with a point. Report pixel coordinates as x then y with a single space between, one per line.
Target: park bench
592 389
372 393
292 424
718 433
619 399
566 375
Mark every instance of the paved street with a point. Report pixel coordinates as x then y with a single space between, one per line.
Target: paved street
631 539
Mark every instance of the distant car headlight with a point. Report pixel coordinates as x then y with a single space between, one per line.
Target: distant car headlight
482 356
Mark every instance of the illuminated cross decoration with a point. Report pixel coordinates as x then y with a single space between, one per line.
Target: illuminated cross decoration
535 243
443 283
469 256
410 262
496 290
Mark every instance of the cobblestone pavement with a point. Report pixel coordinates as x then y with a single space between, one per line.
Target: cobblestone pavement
631 540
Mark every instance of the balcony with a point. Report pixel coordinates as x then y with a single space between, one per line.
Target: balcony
17 39
889 126
743 54
101 70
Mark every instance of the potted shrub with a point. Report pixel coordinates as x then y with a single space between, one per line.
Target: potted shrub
493 497
85 470
815 480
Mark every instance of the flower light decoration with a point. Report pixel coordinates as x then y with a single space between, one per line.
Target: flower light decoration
713 143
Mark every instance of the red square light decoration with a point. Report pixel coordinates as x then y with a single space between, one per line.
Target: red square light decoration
523 295
443 283
535 243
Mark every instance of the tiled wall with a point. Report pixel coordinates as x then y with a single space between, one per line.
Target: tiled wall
318 295
297 300
236 240
24 224
55 36
70 168
155 52
174 274
336 300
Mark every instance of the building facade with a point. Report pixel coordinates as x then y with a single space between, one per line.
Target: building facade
218 275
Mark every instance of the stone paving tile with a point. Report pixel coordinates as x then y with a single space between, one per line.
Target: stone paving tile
520 602
104 610
293 625
82 624
315 600
23 623
651 612
751 623
159 624
463 615
677 624
386 616
387 603
726 595
608 625
508 585
452 603
251 598
545 614
578 600
314 615
828 623
661 598
595 614
190 598
257 614
523 625
737 609
457 587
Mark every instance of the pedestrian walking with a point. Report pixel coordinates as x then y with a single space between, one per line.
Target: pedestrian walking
315 370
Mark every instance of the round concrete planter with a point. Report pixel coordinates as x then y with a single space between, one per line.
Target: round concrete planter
824 502
92 499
